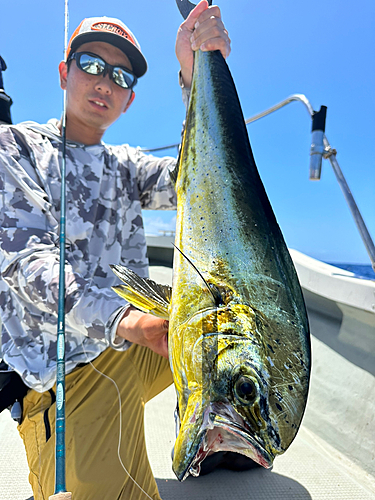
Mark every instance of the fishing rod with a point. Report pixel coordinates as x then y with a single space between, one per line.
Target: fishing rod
60 488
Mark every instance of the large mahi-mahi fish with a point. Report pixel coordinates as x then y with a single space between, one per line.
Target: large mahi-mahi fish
239 342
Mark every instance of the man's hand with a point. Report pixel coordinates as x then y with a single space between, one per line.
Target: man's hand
203 29
144 329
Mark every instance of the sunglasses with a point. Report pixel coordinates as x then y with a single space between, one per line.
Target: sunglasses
95 65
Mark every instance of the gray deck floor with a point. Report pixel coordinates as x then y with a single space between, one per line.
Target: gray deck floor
310 470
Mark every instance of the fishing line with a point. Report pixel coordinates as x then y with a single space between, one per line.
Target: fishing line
120 422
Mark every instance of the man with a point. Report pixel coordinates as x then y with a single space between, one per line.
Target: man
107 186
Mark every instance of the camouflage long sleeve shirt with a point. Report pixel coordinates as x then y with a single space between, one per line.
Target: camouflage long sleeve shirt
106 188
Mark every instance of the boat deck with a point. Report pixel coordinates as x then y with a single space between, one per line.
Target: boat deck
312 469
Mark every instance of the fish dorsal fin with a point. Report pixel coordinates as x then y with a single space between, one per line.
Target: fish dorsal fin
174 173
143 293
214 291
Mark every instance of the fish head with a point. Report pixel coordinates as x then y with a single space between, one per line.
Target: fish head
233 407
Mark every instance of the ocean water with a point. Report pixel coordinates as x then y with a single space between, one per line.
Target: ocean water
363 271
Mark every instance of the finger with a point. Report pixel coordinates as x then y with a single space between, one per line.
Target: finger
212 11
155 329
211 28
165 325
165 347
214 38
192 18
161 346
216 44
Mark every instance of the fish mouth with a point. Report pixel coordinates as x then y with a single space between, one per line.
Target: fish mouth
222 429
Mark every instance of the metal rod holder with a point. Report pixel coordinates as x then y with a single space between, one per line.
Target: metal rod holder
330 154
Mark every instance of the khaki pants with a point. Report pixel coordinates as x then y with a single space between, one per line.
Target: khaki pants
93 470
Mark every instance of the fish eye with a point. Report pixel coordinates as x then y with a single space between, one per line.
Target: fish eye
245 390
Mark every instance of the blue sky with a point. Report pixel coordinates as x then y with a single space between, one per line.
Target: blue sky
323 49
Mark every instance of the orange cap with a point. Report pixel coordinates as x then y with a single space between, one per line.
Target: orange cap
113 31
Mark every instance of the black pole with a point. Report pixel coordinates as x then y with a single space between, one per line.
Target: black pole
5 100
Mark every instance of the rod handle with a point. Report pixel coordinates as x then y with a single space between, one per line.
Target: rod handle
61 496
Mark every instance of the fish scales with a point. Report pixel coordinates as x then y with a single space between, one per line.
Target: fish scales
226 227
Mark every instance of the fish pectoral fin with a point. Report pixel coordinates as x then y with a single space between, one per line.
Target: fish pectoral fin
140 302
143 293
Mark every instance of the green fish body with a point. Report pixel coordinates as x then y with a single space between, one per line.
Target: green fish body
239 343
